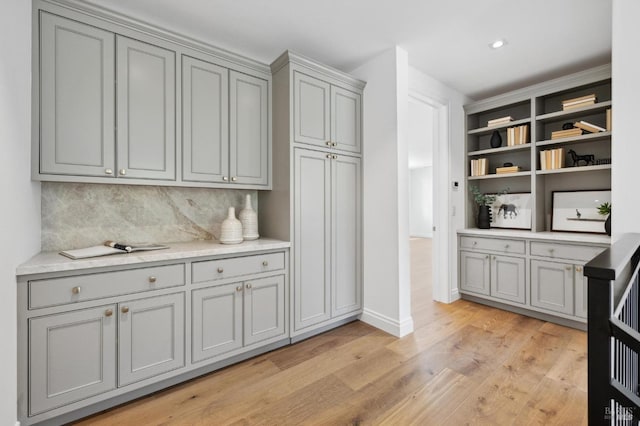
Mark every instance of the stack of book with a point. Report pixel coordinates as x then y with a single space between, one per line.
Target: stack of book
479 167
499 121
552 159
518 135
609 120
510 169
580 102
559 134
588 127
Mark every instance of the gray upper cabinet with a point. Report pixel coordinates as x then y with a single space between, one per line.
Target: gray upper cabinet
326 115
77 98
146 110
249 129
205 121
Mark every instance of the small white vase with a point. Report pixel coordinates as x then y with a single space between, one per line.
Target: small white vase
249 219
231 230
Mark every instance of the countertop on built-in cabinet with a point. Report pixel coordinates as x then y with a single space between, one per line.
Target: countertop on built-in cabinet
567 237
47 262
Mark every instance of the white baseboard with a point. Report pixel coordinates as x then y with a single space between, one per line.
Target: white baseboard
17 423
390 325
455 295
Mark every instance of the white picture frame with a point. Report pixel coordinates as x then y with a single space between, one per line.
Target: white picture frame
511 211
577 211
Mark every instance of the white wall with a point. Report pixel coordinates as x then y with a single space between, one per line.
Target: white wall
421 202
625 149
387 299
421 134
20 217
449 204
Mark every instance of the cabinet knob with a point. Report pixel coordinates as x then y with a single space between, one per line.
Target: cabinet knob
108 313
220 270
493 257
486 257
568 268
124 309
233 179
76 290
334 156
248 285
224 178
551 251
578 268
108 171
239 288
506 247
265 263
152 279
334 144
123 172
475 243
328 143
328 155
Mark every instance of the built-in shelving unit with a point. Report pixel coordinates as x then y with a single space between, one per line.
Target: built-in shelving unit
541 108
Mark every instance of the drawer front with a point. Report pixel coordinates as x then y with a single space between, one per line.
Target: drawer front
60 291
493 244
565 251
219 269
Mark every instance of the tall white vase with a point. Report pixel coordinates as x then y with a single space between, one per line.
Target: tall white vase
249 219
231 230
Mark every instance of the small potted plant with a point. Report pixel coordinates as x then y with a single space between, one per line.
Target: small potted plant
604 209
484 202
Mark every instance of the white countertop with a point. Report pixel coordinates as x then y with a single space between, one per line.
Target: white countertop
46 262
550 236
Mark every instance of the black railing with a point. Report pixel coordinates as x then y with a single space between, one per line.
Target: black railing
614 334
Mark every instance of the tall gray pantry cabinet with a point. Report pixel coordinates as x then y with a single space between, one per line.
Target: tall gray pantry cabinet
317 198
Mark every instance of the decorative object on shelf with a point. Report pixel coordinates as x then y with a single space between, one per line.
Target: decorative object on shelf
567 126
231 230
601 161
496 139
604 209
513 211
552 159
507 164
484 202
587 159
249 220
578 211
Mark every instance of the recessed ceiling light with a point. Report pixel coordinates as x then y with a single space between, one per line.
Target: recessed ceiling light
498 44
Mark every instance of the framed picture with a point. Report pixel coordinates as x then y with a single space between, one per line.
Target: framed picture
511 211
577 211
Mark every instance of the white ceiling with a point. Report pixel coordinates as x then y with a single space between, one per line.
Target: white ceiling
447 39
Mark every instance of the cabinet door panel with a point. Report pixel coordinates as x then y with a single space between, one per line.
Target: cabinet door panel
249 129
77 98
581 299
312 218
508 278
345 119
312 108
146 110
151 337
217 320
205 123
552 286
264 309
346 237
475 272
60 373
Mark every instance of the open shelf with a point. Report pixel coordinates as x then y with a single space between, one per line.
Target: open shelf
561 115
487 130
500 176
574 169
499 150
592 137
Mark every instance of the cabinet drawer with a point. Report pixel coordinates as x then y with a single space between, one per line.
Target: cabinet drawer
60 291
565 251
236 267
493 244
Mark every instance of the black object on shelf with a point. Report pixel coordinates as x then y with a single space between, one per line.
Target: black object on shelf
484 217
496 139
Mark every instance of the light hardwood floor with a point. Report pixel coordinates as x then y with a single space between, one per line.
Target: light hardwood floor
464 364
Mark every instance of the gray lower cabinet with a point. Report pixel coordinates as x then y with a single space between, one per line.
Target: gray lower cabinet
327 237
581 302
231 316
475 272
508 276
60 373
552 286
77 98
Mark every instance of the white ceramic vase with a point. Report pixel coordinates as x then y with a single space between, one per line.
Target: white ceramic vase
249 219
231 230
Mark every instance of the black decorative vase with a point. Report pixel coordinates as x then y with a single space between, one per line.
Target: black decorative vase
607 225
484 217
496 139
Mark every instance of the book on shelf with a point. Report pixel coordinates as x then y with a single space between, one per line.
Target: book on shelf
510 169
579 102
479 167
608 119
552 159
589 127
576 106
499 121
559 134
518 135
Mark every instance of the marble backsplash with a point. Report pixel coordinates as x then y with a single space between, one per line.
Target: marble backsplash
83 215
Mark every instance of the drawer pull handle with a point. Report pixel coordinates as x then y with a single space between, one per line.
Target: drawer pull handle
123 172
551 251
486 257
125 309
568 268
328 155
108 313
328 143
475 243
506 247
233 179
152 279
248 285
265 263
578 268
334 144
76 290
108 171
225 178
220 270
239 288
